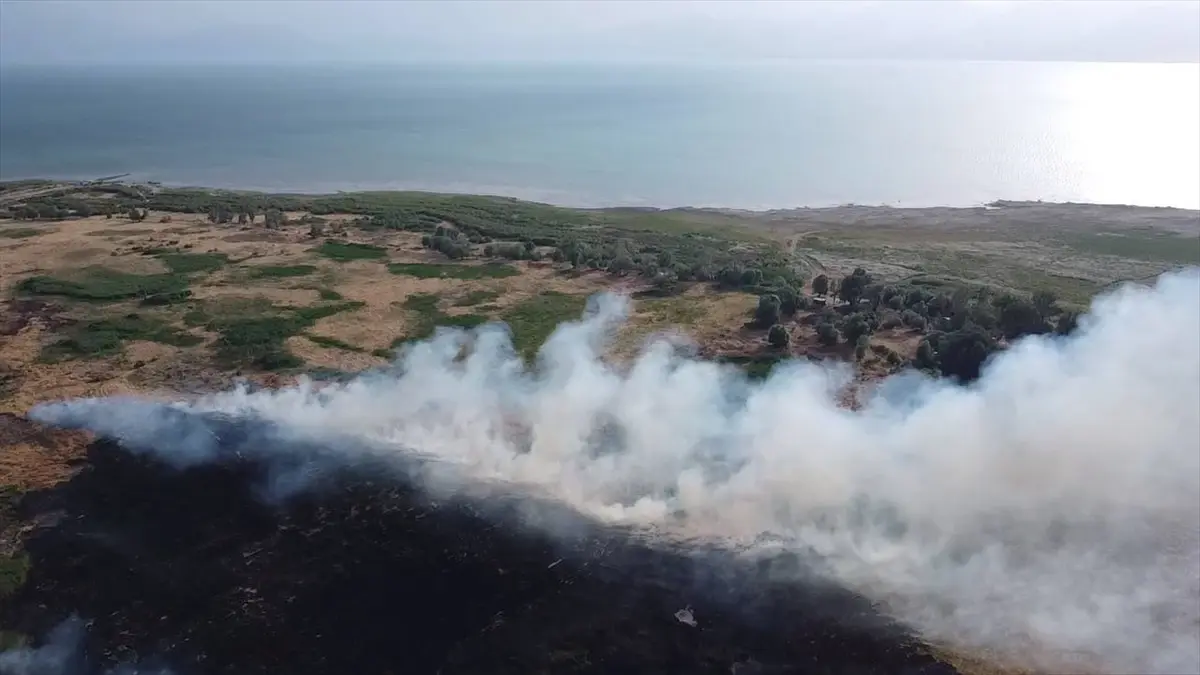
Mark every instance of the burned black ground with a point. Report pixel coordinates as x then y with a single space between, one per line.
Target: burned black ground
369 576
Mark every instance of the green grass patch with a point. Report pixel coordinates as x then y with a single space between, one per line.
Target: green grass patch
279 271
464 272
674 311
533 320
1160 247
755 367
345 251
476 298
333 343
189 263
100 284
429 317
19 232
252 331
13 572
329 294
108 336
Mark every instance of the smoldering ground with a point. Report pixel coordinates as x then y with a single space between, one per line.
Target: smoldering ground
1048 513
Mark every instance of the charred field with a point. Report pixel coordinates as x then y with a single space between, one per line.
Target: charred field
368 575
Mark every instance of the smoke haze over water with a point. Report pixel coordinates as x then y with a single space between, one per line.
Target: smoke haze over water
1049 512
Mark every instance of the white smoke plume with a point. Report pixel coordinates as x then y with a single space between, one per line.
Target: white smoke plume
62 653
1048 513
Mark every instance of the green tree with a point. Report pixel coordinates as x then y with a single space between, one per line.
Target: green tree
1067 323
860 347
855 327
778 337
752 277
827 333
1046 303
964 352
853 286
820 285
1022 318
273 218
767 312
788 300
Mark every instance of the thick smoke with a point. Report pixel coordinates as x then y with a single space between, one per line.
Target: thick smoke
1048 513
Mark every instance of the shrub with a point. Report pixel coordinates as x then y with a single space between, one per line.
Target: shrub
767 312
912 319
855 327
827 334
778 337
820 285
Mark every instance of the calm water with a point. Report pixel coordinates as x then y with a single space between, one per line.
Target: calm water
755 136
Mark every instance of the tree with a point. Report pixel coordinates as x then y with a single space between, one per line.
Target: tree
820 285
1022 318
788 300
665 259
853 286
778 337
621 264
912 319
273 218
1046 303
860 347
926 357
242 218
855 327
730 276
752 277
1067 323
963 353
827 334
767 312
529 246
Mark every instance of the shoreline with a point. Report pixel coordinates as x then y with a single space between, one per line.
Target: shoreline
994 204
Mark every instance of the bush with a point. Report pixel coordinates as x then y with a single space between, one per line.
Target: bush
854 286
912 319
891 320
767 312
778 337
789 301
963 353
860 347
820 285
855 327
827 334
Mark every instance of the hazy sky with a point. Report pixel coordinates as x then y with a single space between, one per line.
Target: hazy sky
245 31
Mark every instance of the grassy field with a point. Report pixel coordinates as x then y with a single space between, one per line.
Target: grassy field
286 298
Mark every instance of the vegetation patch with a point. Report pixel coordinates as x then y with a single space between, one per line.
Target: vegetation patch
108 336
252 331
341 251
533 320
465 272
101 284
1159 247
333 343
181 262
13 572
19 232
476 298
279 271
329 294
429 317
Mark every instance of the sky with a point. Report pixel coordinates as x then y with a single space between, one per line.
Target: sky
54 32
